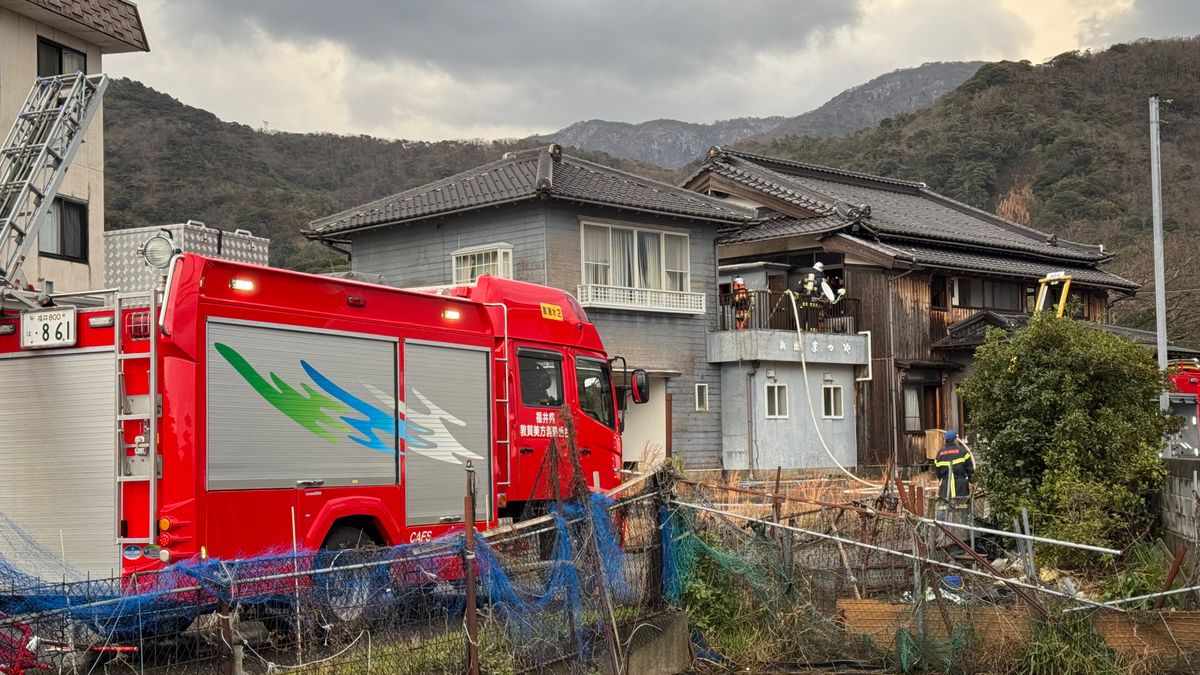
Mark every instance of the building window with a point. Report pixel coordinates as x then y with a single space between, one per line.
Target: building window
922 407
64 232
938 295
55 59
701 397
777 401
988 294
472 263
634 258
541 380
831 402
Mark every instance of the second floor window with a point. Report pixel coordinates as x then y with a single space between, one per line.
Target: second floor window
471 263
635 258
988 294
64 232
55 59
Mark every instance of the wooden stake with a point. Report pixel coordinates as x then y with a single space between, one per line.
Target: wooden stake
1176 563
469 572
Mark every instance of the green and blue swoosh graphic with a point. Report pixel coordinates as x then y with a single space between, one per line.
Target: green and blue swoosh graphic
331 415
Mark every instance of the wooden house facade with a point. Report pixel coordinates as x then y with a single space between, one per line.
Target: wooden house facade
918 265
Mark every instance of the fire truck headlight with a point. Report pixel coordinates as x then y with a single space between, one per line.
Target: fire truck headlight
158 251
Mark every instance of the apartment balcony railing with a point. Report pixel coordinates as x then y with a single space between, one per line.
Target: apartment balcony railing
647 299
773 311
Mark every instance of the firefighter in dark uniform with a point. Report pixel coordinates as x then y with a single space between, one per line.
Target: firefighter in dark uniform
954 467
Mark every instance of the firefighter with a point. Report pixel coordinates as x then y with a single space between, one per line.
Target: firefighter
741 304
954 466
811 279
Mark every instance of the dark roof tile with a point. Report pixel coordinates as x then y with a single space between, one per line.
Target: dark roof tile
515 178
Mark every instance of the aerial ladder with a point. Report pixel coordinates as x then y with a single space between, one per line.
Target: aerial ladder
34 159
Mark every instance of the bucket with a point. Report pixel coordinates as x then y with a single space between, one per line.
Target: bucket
953 583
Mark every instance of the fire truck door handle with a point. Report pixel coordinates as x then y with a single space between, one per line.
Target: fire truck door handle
526 451
309 483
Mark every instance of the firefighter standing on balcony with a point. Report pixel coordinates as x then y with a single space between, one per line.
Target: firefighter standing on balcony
954 466
741 304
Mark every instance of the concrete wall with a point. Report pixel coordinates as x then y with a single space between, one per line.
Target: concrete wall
792 442
85 180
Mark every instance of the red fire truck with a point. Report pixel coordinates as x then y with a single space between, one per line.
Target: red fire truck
244 408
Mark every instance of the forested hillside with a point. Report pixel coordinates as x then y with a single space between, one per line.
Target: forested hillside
167 162
1063 146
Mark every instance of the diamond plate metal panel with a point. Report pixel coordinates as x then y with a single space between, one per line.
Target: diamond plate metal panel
125 269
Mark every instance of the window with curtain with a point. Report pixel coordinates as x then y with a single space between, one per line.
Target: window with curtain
55 59
472 263
988 294
635 258
63 233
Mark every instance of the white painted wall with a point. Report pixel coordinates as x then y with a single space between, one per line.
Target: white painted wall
85 179
645 435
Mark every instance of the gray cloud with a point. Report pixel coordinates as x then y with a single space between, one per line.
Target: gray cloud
1146 19
640 42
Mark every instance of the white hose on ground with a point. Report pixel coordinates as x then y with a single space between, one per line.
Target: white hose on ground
812 408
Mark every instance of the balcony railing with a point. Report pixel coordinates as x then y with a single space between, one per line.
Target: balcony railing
773 311
647 299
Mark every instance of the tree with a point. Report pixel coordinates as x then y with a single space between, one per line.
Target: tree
1073 431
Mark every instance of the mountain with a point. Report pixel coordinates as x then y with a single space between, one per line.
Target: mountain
668 143
672 144
1062 146
166 162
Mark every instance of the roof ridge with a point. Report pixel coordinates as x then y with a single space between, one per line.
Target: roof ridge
1013 226
817 167
650 182
507 159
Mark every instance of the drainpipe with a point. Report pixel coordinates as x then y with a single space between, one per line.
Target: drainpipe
750 414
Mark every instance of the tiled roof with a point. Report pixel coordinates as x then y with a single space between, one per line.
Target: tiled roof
115 19
531 174
996 263
890 206
777 226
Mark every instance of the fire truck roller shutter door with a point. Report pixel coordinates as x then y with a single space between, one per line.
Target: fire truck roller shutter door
56 457
448 403
288 405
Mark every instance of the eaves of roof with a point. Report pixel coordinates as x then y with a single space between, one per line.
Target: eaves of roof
113 25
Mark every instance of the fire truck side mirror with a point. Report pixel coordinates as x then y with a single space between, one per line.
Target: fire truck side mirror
639 386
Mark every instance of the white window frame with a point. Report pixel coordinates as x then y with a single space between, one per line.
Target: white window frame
503 262
771 395
701 397
838 411
638 281
638 293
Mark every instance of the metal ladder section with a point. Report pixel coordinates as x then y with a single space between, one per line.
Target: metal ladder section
35 157
143 466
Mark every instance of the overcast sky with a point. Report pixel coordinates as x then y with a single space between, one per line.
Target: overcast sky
435 69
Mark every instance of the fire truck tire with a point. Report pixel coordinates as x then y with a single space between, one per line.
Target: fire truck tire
349 593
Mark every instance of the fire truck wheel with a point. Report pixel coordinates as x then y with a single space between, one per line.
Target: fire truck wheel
348 590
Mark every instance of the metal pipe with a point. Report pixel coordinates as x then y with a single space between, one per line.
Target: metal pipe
902 554
1160 280
1018 535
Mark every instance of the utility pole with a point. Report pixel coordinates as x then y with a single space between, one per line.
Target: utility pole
1160 280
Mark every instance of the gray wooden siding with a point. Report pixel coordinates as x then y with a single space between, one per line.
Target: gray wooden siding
421 254
655 340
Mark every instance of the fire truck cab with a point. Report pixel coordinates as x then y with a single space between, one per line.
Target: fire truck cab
246 409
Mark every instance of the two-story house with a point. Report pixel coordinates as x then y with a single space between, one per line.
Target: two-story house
53 37
639 255
917 268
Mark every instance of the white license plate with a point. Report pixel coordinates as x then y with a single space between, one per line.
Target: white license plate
48 328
